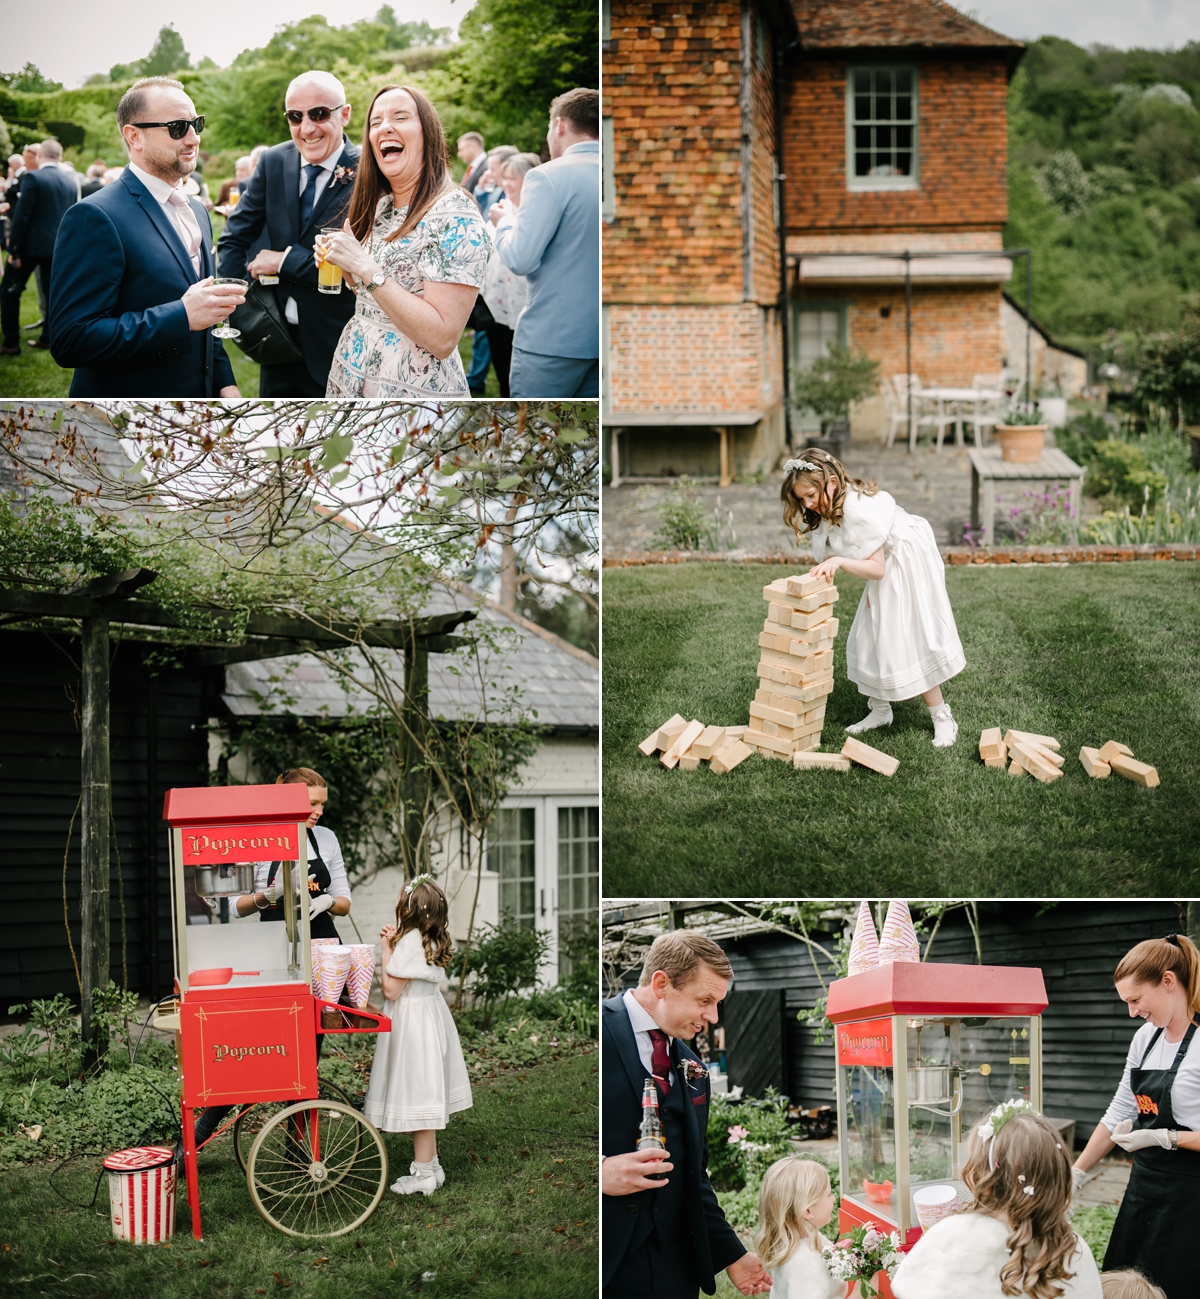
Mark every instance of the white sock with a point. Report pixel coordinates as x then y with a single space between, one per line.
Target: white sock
945 728
880 715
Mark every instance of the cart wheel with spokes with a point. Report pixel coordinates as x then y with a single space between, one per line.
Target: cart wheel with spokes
252 1121
317 1168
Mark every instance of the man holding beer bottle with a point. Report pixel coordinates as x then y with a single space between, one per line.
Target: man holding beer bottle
297 189
664 1235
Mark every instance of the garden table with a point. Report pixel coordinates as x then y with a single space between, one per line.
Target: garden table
988 469
976 398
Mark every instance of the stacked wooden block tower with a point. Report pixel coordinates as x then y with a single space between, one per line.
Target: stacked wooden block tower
795 667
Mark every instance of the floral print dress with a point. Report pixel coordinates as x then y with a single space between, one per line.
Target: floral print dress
449 245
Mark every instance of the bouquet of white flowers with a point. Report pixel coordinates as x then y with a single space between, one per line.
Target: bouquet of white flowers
862 1255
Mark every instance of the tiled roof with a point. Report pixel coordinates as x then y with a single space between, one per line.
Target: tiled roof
850 24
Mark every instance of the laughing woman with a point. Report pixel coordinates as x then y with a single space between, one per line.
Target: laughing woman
415 250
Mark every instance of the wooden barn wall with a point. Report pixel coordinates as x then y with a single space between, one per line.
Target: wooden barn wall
1086 1028
40 772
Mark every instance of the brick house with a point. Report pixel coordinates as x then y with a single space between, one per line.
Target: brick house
767 166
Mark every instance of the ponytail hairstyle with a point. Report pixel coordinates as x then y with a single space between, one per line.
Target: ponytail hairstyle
789 1188
1149 961
422 906
1023 1172
816 468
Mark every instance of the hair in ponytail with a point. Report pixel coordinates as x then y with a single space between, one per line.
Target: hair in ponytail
1149 961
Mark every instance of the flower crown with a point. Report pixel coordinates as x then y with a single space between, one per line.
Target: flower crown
790 465
424 878
991 1125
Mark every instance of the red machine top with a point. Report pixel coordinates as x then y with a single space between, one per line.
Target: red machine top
928 988
237 805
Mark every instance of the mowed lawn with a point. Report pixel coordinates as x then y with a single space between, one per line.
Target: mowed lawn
517 1216
1087 653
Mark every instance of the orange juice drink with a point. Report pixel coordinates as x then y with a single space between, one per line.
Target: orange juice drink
329 276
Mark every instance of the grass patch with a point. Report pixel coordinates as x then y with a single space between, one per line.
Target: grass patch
1086 653
517 1215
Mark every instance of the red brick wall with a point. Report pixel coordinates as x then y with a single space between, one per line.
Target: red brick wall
765 247
963 151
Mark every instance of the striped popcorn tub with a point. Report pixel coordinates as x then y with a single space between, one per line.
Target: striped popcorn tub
141 1191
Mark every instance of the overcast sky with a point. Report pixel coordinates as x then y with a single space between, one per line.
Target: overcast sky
71 39
1149 24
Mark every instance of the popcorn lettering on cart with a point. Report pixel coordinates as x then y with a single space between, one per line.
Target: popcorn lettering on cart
241 1052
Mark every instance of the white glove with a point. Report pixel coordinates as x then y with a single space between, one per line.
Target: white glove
1077 1179
319 905
1143 1139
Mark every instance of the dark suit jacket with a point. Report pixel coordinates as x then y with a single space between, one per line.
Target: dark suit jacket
45 196
269 204
714 1243
116 311
474 173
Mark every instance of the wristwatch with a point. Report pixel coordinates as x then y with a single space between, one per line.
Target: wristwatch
1171 1132
377 281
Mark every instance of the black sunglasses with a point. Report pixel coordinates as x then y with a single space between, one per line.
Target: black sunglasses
296 116
177 129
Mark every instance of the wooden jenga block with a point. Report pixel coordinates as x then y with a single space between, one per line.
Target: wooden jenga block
1141 773
768 714
1093 763
991 747
1047 755
661 739
777 593
1016 767
1035 762
790 670
810 761
682 742
1046 741
778 744
804 621
729 755
807 603
711 739
688 762
1113 749
756 726
734 733
866 756
998 763
804 584
826 630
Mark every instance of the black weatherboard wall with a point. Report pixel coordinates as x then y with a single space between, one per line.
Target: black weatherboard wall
158 740
1086 1028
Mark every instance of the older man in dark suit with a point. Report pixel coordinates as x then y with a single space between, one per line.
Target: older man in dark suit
45 195
297 189
665 1239
132 298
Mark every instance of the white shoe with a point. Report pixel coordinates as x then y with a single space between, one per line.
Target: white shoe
438 1171
880 715
945 728
423 1181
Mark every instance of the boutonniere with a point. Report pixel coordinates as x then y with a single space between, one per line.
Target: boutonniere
693 1070
343 175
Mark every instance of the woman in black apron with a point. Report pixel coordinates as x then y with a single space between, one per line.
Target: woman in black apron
1155 1228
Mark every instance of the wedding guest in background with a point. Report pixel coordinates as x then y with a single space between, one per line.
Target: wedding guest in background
29 162
553 239
490 189
45 195
417 251
94 179
471 152
242 171
132 298
297 189
503 291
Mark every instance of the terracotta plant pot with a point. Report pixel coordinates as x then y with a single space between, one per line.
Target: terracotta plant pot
1021 442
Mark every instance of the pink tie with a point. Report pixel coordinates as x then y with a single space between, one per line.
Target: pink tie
189 227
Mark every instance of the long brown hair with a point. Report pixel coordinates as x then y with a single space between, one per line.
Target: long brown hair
425 909
1024 1175
798 516
370 184
1149 961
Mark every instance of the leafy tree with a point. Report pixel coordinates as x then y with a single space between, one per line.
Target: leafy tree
167 55
30 81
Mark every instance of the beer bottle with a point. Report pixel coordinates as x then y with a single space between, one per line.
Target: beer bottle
651 1135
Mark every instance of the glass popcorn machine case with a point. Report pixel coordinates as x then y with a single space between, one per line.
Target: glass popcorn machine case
924 1052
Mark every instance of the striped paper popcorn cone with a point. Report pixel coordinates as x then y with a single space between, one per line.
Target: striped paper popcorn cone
335 967
864 947
318 975
898 942
362 973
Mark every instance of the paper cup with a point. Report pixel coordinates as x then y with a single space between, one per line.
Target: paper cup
362 973
934 1203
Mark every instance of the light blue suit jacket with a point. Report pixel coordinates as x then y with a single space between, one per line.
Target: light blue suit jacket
553 239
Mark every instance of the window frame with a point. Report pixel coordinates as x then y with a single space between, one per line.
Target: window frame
877 183
806 423
608 174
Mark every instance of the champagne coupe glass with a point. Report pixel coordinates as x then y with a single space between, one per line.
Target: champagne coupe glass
225 329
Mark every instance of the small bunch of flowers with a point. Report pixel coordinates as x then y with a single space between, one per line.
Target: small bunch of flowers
737 1134
862 1255
1001 1115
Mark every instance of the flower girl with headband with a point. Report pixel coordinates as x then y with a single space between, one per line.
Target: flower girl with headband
794 1203
419 1077
904 641
1015 1238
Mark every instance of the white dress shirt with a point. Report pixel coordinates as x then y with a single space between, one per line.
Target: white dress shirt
289 307
331 854
1185 1092
162 194
642 1022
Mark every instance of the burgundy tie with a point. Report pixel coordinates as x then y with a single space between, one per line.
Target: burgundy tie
660 1061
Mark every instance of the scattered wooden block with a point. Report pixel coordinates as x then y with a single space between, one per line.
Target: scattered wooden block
826 761
1112 749
1046 741
661 739
992 748
1015 767
729 755
711 739
734 733
991 736
1055 759
1035 762
804 584
866 756
998 763
1093 763
1141 773
682 742
688 762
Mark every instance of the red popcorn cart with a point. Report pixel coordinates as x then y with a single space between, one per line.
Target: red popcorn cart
924 1053
246 1019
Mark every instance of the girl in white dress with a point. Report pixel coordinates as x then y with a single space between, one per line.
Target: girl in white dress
1016 1238
904 641
419 1077
794 1203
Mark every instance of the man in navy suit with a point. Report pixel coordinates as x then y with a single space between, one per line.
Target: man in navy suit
297 189
45 195
132 298
665 1239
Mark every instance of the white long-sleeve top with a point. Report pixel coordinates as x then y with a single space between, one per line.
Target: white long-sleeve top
805 1275
331 855
1185 1093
